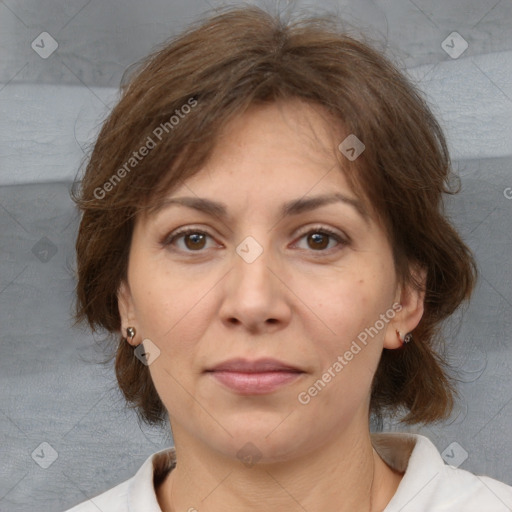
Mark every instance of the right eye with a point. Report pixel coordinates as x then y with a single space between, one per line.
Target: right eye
188 239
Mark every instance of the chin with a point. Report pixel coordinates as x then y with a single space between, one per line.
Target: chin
266 438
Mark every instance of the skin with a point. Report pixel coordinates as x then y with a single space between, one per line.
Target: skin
302 301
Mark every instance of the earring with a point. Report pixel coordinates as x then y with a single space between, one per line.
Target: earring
407 337
130 333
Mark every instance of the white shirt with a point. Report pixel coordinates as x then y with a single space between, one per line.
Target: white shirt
428 485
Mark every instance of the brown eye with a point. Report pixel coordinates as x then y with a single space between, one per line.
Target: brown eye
195 241
322 240
189 240
318 240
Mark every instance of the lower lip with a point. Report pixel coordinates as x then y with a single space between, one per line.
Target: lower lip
255 383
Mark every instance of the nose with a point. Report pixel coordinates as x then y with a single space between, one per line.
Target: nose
254 295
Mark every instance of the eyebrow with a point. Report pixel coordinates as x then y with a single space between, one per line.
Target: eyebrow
294 207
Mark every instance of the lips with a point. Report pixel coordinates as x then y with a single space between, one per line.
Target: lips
258 366
258 377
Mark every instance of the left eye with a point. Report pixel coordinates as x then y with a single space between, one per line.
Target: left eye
321 239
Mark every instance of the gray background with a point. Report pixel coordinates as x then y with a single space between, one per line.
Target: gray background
52 389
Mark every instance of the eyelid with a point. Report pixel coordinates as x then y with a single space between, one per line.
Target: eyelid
320 228
340 237
171 237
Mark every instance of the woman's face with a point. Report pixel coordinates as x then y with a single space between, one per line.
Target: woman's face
266 253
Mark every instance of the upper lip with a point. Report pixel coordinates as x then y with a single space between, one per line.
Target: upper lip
256 366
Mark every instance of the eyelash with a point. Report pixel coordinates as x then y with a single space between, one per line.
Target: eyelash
180 233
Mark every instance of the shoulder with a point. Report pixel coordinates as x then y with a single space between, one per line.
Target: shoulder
431 485
136 493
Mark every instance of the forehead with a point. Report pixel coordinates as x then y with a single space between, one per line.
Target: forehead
290 130
274 152
274 146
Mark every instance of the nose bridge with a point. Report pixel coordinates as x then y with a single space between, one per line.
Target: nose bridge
250 262
253 295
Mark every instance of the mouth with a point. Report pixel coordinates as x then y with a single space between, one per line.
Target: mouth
254 377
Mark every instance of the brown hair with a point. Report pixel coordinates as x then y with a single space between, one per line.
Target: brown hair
218 68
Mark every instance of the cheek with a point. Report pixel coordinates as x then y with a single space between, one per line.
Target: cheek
349 356
344 302
173 314
167 303
349 305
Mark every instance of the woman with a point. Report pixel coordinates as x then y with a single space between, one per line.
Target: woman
262 224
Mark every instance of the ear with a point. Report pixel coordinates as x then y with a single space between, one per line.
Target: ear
408 316
126 309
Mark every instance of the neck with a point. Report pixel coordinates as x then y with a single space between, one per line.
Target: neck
347 475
